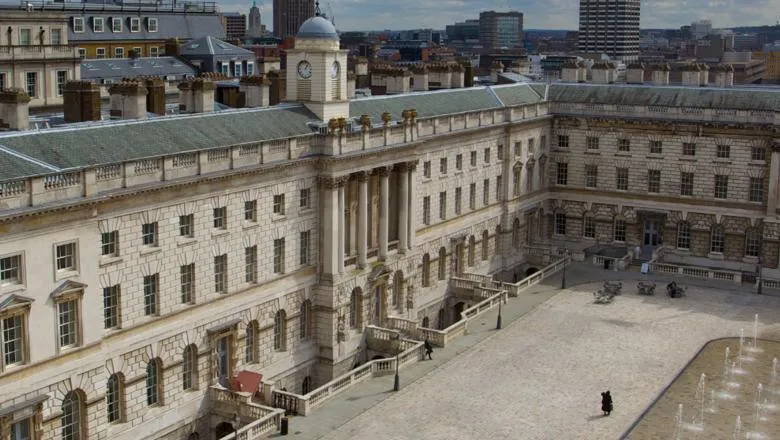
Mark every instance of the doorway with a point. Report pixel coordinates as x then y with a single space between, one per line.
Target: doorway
651 233
458 309
224 429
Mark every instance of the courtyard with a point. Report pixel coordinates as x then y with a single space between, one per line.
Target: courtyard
542 375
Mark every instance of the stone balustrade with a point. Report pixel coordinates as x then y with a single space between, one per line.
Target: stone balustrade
260 420
670 113
696 272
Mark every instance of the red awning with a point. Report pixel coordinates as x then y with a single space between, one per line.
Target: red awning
248 381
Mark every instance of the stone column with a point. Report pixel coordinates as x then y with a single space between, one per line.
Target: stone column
403 208
342 224
330 226
384 210
362 226
412 202
774 176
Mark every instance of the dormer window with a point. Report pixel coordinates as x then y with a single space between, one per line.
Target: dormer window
116 24
78 24
135 24
97 24
151 24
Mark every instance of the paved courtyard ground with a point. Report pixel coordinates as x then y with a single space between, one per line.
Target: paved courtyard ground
541 376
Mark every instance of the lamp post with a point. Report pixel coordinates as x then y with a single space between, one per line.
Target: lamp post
759 290
500 301
563 275
397 380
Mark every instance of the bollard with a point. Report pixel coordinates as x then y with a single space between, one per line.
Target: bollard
285 426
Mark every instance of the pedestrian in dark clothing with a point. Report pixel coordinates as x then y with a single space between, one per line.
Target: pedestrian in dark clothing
428 349
606 403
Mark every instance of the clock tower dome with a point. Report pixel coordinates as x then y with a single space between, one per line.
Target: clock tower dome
317 70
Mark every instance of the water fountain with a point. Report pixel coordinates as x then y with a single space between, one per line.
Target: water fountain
737 430
712 408
741 344
774 370
758 403
700 393
678 428
726 364
755 331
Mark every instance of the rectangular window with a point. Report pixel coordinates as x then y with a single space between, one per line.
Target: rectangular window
11 270
591 176
119 52
562 173
516 182
459 162
220 218
12 337
116 24
723 151
67 318
56 37
443 205
620 230
683 236
82 52
721 186
427 210
458 196
137 52
592 142
31 83
279 204
111 307
187 225
500 152
66 257
97 24
154 52
654 181
717 240
152 24
305 247
250 69
560 224
62 78
427 169
443 165
531 143
758 153
100 53
78 24
135 24
756 189
621 179
624 145
487 155
752 244
250 211
109 244
518 148
473 196
499 181
187 277
656 147
279 255
686 184
250 264
563 141
473 158
689 149
151 292
304 198
486 192
149 234
220 274
588 227
25 37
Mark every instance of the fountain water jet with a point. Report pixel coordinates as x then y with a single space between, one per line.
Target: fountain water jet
678 422
741 345
755 331
758 402
774 370
700 393
737 430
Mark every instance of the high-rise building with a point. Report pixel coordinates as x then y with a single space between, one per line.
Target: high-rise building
290 14
610 27
255 25
235 25
701 28
501 29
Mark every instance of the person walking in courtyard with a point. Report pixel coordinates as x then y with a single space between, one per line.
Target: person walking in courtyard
606 403
428 349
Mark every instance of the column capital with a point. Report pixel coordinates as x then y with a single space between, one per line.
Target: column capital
361 176
383 171
329 182
412 164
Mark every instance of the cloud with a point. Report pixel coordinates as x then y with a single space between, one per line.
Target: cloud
550 14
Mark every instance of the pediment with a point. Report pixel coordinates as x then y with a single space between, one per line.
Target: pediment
67 286
12 301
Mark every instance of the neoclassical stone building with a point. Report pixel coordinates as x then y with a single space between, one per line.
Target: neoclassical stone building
144 261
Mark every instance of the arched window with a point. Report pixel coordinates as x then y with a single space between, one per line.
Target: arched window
472 250
683 235
305 319
752 243
442 263
306 385
498 240
485 244
72 419
717 240
356 308
517 182
189 368
425 322
114 398
154 382
426 270
280 331
516 233
251 342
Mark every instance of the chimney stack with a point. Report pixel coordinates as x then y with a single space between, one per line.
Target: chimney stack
399 81
704 75
724 75
635 74
155 99
351 85
81 101
172 47
202 96
14 109
690 75
420 78
496 68
457 79
440 76
128 100
661 75
256 91
570 72
278 86
468 72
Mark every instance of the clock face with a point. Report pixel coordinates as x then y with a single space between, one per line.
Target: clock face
334 70
304 69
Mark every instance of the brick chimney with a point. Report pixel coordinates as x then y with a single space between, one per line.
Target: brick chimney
155 98
278 86
661 75
420 78
81 101
185 96
256 91
172 47
128 100
468 72
457 79
14 110
704 75
440 76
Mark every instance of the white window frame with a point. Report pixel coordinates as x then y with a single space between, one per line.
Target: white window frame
73 267
717 240
621 178
109 244
279 251
237 70
250 69
82 52
98 24
119 52
220 218
426 210
304 198
305 247
221 274
72 300
619 230
150 230
22 313
151 291
34 91
25 37
135 24
112 310
58 40
78 25
250 264
100 53
187 225
588 227
756 189
278 205
116 24
721 186
154 52
12 283
60 84
187 283
152 25
250 211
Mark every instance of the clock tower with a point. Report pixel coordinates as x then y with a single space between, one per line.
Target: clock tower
317 70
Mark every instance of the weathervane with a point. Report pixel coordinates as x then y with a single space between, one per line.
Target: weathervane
317 9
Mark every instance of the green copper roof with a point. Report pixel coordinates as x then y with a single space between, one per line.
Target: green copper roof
519 94
427 104
12 167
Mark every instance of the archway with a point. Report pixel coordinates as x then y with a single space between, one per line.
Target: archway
425 322
530 271
458 310
441 320
224 429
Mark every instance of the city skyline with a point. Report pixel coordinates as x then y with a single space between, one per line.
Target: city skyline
351 15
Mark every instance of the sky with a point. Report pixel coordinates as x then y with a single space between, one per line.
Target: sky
549 14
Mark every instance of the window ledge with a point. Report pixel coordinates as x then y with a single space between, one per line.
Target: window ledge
278 218
250 225
219 232
688 158
623 154
750 260
150 250
108 261
65 274
715 256
305 210
597 152
722 160
185 241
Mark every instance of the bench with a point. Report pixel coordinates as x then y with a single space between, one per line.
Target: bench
612 288
645 288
